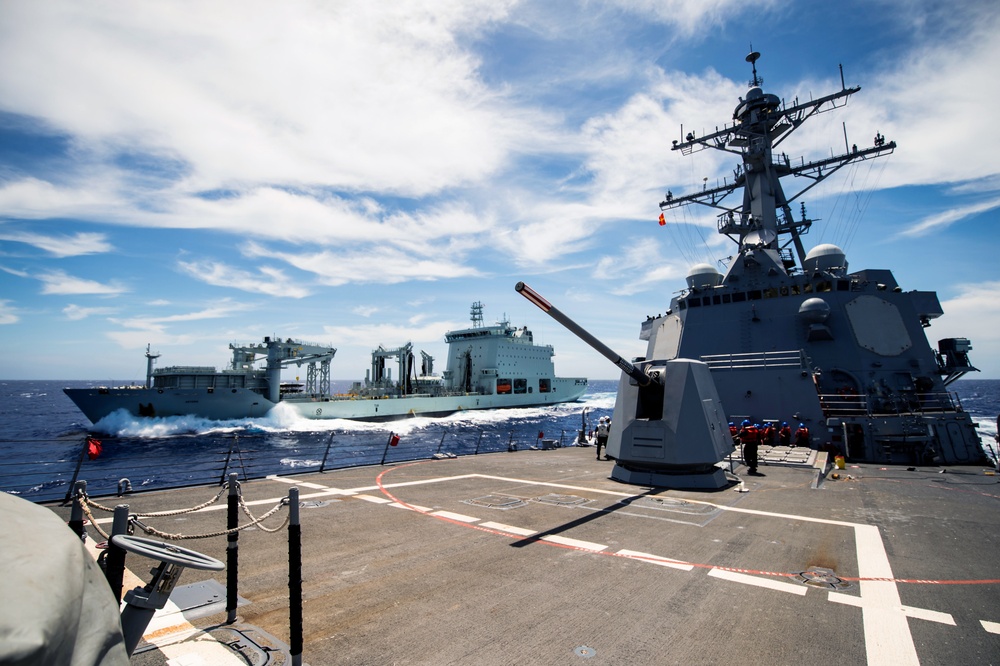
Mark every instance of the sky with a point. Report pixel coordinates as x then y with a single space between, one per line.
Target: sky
187 175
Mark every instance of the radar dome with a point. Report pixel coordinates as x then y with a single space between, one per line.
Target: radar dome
824 258
703 276
814 310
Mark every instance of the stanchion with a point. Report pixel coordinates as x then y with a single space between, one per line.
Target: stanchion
326 454
232 549
478 441
294 577
76 511
114 565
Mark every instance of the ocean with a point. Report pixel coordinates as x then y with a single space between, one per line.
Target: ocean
43 439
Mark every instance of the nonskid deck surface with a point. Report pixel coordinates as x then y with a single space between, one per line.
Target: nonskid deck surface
538 557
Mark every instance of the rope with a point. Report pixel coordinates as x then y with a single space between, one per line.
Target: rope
159 514
134 519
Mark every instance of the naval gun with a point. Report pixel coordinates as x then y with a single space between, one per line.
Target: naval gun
668 427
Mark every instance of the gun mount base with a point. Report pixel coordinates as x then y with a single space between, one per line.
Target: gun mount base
712 479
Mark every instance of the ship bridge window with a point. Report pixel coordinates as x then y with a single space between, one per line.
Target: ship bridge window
843 285
503 386
824 286
544 385
716 299
739 297
694 302
681 305
726 298
754 294
520 386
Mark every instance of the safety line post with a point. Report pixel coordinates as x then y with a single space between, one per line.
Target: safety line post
478 441
114 569
388 442
76 512
294 576
76 472
441 443
232 549
329 443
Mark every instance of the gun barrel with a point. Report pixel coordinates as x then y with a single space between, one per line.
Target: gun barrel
638 375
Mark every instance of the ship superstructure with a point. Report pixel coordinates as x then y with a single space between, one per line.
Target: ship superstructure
796 337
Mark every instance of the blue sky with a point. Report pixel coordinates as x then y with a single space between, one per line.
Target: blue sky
355 173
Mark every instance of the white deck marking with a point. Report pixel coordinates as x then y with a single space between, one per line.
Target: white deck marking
500 527
455 516
655 559
410 507
373 499
575 543
757 581
295 482
908 611
887 633
992 627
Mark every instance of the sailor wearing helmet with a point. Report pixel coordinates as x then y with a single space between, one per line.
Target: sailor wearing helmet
603 427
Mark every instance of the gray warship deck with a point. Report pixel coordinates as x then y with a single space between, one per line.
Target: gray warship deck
537 557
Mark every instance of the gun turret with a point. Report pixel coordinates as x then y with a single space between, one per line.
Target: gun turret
635 373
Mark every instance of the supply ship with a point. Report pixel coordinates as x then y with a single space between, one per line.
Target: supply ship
488 367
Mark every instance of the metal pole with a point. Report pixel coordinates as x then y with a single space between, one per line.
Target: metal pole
76 472
294 576
76 512
478 441
232 549
322 465
115 564
441 443
387 443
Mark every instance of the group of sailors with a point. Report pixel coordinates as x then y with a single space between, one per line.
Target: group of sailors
751 435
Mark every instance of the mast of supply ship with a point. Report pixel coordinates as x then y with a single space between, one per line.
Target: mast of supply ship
763 226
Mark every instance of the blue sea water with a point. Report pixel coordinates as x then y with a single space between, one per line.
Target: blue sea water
42 437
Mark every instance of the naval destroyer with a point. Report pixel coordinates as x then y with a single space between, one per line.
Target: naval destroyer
488 367
796 337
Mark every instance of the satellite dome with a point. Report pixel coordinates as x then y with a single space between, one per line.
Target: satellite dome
825 257
703 276
814 310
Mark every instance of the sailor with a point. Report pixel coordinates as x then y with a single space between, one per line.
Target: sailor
603 427
749 438
734 432
767 434
802 435
785 434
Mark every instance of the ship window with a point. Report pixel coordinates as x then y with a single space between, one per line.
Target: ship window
694 302
807 288
707 300
824 286
770 292
754 295
503 386
727 298
843 285
520 386
795 290
544 385
739 297
681 305
716 299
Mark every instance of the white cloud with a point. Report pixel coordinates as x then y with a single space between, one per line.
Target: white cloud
974 314
266 280
948 217
75 312
61 246
8 313
60 282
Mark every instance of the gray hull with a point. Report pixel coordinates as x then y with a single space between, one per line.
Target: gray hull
226 404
